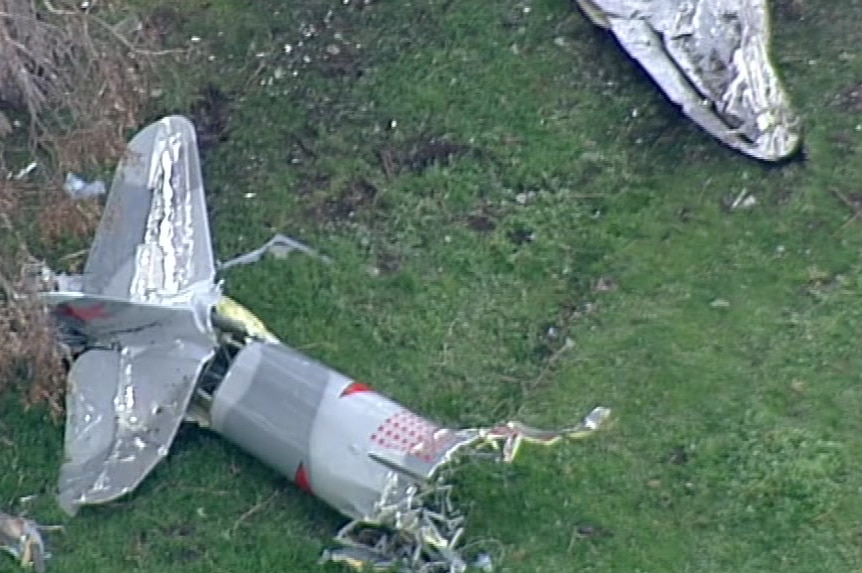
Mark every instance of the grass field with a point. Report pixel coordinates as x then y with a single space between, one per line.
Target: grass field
521 226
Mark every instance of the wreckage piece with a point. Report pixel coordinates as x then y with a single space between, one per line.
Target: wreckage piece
156 344
712 58
22 538
279 246
368 457
143 314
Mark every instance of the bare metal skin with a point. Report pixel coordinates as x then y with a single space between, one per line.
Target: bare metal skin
710 57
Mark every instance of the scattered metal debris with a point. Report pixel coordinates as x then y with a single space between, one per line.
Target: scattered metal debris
157 344
711 57
21 538
414 523
279 246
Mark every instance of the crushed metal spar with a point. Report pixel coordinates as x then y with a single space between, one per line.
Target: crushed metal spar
155 343
712 58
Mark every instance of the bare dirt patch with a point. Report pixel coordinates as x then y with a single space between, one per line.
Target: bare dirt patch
350 202
850 99
422 154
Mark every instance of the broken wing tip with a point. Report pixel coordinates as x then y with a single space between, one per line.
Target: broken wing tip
787 151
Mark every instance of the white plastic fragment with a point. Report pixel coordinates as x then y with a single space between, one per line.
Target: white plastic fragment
744 200
78 188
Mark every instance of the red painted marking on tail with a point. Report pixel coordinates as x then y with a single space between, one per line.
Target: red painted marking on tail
301 479
355 388
83 313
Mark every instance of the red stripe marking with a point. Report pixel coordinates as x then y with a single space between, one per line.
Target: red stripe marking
84 313
355 388
301 479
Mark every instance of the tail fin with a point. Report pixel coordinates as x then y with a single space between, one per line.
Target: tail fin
153 241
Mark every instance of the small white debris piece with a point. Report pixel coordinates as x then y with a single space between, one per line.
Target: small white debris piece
26 171
483 562
749 201
720 303
743 201
78 188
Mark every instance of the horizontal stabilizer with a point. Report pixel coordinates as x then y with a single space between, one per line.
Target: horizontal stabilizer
124 407
108 319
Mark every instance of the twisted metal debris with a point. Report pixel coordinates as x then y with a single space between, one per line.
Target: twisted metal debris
21 538
416 526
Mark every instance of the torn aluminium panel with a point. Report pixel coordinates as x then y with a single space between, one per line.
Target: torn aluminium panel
712 58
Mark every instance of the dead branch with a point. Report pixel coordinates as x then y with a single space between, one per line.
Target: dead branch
32 360
81 76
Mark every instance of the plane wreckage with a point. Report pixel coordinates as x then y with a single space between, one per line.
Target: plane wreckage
155 343
712 59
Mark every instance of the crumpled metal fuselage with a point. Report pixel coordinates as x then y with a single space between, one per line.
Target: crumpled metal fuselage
711 57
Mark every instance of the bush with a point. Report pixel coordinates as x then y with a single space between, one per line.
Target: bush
32 359
74 79
78 77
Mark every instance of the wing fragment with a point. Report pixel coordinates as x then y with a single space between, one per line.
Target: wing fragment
710 57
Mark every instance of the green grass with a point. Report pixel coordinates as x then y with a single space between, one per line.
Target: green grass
728 349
